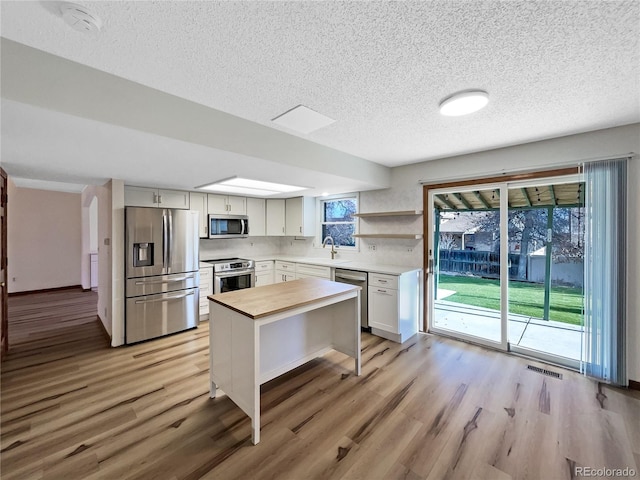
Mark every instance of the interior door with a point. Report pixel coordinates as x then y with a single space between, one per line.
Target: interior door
4 319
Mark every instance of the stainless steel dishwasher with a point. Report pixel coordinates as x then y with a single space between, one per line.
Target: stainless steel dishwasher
360 279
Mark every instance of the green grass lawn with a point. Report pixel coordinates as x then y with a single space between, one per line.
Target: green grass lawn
524 298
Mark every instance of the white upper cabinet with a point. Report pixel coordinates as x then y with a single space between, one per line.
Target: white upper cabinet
300 217
198 202
256 211
237 205
155 197
275 217
226 204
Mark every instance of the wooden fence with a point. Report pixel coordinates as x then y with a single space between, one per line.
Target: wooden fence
480 263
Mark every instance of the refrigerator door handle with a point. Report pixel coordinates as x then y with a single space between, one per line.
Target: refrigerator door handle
164 239
155 282
166 299
170 237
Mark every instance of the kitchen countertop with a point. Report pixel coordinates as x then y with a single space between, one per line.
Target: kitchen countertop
259 302
341 263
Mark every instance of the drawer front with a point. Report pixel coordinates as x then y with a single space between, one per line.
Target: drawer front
285 266
204 304
312 271
264 266
381 280
137 287
206 273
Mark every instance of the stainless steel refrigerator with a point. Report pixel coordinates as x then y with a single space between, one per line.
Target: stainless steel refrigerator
162 276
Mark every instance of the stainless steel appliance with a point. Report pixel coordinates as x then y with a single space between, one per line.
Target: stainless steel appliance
360 279
232 274
228 226
161 272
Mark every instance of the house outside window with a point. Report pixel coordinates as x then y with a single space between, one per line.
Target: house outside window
337 220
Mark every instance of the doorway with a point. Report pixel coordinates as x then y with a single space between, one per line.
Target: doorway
505 265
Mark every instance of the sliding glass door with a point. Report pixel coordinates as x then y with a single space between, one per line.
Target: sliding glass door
466 290
505 264
546 249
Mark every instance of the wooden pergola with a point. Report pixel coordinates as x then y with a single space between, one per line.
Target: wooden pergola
549 197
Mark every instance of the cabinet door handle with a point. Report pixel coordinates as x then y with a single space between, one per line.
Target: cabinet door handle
382 281
300 229
159 198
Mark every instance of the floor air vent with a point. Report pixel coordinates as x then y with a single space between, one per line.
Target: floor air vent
545 372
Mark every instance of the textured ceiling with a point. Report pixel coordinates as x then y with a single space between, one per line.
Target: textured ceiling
552 68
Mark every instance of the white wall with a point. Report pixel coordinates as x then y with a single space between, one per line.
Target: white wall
93 226
115 207
44 239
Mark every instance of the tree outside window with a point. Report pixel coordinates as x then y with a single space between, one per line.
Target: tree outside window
338 220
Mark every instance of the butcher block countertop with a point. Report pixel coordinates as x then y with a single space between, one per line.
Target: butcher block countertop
263 301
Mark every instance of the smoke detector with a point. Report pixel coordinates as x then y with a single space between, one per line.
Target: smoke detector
80 18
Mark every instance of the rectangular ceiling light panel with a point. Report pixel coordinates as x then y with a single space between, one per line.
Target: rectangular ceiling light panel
303 120
245 186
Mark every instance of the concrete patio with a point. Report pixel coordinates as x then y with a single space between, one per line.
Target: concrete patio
546 336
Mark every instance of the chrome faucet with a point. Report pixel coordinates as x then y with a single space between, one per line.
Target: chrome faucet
333 246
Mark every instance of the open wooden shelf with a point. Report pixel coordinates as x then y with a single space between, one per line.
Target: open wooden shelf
401 213
413 236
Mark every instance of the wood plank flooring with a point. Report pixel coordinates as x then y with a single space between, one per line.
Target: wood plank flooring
432 408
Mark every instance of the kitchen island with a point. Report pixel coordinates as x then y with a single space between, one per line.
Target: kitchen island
257 334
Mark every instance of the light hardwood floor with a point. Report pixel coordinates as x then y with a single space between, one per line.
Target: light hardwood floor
432 408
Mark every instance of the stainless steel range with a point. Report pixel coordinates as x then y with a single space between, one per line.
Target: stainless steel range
232 274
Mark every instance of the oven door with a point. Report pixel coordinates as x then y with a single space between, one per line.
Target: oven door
230 281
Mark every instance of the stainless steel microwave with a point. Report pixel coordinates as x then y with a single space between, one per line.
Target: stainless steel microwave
228 226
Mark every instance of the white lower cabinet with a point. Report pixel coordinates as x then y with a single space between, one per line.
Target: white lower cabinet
264 273
285 271
206 289
383 309
282 276
394 305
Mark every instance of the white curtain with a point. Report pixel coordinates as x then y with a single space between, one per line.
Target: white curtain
605 261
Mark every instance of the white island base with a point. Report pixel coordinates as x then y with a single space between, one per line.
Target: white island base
260 333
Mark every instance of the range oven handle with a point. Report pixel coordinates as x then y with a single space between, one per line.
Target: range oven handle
234 273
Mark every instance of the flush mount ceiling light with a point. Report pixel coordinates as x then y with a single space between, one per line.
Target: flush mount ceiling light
464 103
246 186
302 119
80 18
